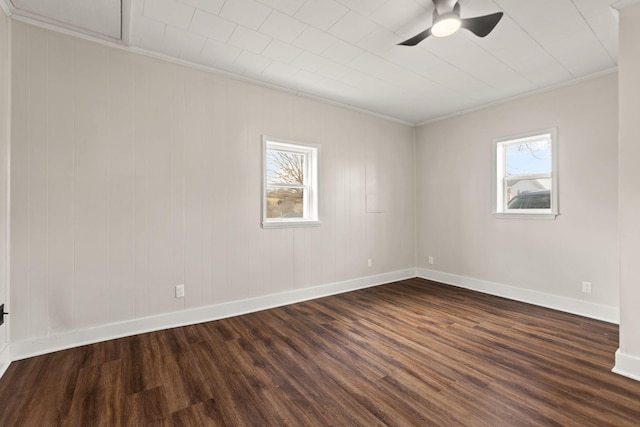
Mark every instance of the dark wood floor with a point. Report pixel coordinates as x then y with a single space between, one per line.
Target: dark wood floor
408 353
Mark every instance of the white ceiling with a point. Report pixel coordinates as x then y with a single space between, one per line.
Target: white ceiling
346 51
100 17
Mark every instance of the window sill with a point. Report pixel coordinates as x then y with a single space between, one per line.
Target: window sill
525 215
291 224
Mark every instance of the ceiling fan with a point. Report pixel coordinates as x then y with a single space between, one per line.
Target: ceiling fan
446 21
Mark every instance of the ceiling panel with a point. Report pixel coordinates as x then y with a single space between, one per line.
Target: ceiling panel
149 32
342 52
182 44
398 15
170 12
282 27
251 64
309 62
218 54
363 7
101 17
352 27
280 51
249 40
211 6
289 7
314 40
321 14
208 25
249 13
381 41
347 51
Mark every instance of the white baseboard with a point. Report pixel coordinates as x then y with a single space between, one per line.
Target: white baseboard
5 361
569 305
25 349
627 365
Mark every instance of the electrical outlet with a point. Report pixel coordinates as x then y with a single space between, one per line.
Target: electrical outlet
179 291
369 264
586 287
430 260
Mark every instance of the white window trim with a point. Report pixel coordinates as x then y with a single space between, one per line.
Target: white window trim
497 199
312 186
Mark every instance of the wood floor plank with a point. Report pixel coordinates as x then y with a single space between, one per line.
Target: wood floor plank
411 353
97 397
201 414
304 382
149 407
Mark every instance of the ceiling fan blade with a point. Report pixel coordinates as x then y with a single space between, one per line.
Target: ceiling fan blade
417 38
482 25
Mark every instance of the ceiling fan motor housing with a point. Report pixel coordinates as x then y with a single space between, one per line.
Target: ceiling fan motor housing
446 6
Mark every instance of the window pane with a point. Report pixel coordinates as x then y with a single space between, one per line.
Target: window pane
285 202
525 173
285 167
290 184
525 158
528 193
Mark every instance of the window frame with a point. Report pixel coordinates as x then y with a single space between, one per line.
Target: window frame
310 186
499 207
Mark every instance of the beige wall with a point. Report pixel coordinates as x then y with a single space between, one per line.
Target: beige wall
131 175
550 257
4 169
628 360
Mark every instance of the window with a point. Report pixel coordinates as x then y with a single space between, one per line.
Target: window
526 176
290 184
